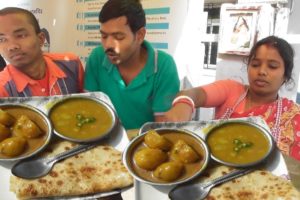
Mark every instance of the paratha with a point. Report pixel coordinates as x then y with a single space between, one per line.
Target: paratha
97 170
258 185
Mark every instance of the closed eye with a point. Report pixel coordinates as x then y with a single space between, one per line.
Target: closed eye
21 35
3 40
119 36
255 63
103 36
274 64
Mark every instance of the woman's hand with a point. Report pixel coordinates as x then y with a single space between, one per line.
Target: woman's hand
179 113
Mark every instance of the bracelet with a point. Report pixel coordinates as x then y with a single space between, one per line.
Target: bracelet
184 99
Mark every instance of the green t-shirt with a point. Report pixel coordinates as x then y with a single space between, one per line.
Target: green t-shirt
151 91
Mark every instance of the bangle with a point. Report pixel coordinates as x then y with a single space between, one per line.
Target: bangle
184 99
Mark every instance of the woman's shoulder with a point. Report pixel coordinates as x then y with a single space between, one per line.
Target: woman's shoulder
225 88
231 84
290 109
290 103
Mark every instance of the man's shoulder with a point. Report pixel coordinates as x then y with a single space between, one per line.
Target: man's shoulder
164 59
162 55
61 56
5 76
96 57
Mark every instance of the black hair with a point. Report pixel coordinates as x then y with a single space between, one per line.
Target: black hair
131 9
31 18
285 50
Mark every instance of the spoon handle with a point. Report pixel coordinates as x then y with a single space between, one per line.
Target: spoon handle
72 152
232 175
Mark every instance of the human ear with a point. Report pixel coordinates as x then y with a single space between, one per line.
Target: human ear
42 38
140 35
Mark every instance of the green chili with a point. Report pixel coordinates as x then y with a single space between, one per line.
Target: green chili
81 120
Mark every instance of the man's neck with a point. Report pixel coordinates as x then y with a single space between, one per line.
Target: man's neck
133 66
35 70
135 61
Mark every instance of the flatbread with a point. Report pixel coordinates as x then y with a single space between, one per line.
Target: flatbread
97 170
257 185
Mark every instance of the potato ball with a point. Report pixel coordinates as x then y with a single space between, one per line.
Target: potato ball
183 152
149 159
155 141
169 171
13 146
25 127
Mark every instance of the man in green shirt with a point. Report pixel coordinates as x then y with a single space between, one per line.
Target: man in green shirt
140 81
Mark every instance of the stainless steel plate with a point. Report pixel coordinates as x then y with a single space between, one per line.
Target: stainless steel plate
99 101
261 129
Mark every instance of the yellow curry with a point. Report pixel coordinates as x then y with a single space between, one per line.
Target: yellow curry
81 118
238 143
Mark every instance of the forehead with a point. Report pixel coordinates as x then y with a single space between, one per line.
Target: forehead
268 52
118 24
11 22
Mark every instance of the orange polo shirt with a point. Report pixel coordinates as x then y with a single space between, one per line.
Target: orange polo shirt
22 80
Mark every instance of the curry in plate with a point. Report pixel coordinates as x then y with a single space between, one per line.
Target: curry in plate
238 143
81 119
23 131
166 156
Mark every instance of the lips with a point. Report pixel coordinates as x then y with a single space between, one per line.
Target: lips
260 82
17 56
112 56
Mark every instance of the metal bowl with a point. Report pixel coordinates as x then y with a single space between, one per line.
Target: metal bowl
34 146
236 146
104 107
138 141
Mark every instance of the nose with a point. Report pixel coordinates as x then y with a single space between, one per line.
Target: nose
109 42
263 70
12 46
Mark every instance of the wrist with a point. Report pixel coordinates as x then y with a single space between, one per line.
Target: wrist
186 100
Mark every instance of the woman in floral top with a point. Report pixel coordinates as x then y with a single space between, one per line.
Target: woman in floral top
270 65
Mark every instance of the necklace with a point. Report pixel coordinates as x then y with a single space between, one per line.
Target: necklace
275 130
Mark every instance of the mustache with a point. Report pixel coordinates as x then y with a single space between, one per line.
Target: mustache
110 50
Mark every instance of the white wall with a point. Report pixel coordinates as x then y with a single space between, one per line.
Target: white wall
189 52
293 26
293 36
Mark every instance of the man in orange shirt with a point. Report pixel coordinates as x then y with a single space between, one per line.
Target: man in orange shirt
30 72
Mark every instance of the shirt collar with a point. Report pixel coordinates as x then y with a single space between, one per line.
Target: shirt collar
23 80
54 70
20 79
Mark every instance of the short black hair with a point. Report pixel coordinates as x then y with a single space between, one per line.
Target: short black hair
31 18
131 9
285 50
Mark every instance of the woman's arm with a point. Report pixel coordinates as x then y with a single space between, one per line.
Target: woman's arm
182 110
